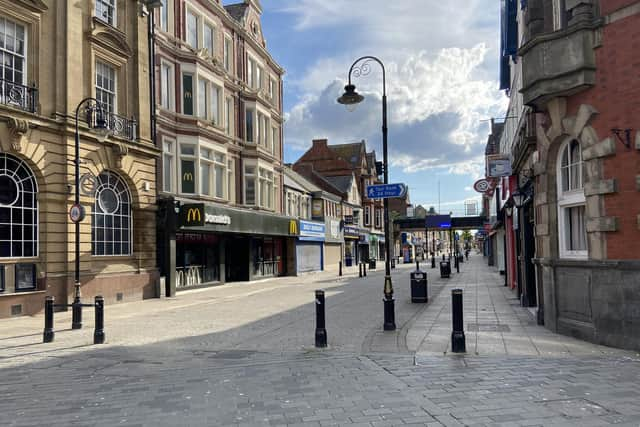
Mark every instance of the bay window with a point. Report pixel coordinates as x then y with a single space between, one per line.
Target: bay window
230 182
206 164
227 55
219 171
202 98
208 38
250 185
167 165
249 124
215 104
187 169
259 187
228 114
192 29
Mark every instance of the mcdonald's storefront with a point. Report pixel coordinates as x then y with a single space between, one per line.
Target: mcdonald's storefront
217 244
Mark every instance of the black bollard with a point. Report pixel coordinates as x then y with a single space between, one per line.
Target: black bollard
76 313
443 257
457 335
457 262
433 261
417 265
360 270
98 333
364 269
339 268
321 332
48 334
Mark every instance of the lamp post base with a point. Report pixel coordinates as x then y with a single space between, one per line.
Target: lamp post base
389 314
76 310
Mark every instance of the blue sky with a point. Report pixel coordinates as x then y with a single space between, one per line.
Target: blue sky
441 60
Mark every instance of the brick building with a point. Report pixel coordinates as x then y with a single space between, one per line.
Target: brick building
343 166
575 149
219 125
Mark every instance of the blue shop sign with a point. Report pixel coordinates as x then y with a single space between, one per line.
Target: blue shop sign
312 231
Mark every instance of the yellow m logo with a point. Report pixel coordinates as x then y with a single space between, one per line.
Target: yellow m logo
188 176
293 227
194 215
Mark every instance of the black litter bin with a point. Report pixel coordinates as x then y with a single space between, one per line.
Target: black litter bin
372 264
419 286
445 269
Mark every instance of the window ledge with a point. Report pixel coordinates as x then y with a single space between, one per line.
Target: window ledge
21 293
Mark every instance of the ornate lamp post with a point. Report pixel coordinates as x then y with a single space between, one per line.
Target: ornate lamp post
351 98
95 117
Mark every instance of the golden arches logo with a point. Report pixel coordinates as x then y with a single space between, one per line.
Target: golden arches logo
293 227
187 176
194 215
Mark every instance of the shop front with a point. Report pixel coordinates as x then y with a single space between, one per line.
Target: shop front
333 241
351 238
206 244
363 245
310 247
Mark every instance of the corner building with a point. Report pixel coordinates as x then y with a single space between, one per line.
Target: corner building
219 126
54 55
580 78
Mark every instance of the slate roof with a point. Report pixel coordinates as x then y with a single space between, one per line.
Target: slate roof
341 182
349 152
236 10
294 180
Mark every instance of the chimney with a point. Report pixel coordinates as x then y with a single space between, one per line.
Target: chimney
319 143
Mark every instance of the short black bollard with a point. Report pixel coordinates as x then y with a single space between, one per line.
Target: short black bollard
339 268
457 265
360 270
443 257
457 335
393 263
98 333
433 261
417 265
321 332
48 334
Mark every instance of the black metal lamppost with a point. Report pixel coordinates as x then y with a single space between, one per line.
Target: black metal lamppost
351 98
96 119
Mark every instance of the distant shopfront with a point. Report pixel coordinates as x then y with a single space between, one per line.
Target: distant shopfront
310 246
333 243
351 238
207 244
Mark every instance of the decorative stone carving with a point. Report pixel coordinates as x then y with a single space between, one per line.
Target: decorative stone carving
119 152
17 128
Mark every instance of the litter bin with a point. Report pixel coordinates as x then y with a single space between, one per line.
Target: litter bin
348 261
372 264
445 269
419 286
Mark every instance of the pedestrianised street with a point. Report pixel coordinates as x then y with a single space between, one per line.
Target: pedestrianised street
243 355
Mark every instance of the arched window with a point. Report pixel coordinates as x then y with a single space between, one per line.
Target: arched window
111 227
18 209
572 234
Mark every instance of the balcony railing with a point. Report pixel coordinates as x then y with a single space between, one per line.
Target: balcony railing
18 96
118 125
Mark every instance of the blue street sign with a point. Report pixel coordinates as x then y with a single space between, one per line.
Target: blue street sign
385 191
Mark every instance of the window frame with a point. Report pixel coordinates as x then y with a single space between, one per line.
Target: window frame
113 4
164 15
567 199
97 210
187 33
14 53
172 154
227 53
188 157
210 25
167 86
101 64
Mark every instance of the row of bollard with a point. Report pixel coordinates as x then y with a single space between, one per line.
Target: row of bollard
49 305
458 341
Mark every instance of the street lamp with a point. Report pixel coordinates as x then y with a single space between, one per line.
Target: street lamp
350 99
99 124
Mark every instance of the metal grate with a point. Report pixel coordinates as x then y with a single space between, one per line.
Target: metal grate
487 327
16 310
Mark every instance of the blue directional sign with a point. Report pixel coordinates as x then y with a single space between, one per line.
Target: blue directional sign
386 191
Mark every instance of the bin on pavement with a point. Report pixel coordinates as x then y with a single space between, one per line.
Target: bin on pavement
419 291
445 269
372 264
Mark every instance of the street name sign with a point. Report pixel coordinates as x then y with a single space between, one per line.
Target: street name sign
385 191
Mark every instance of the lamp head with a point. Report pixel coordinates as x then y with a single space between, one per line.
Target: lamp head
350 98
518 198
101 127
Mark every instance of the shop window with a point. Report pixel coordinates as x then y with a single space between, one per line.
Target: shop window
18 209
111 227
25 277
572 235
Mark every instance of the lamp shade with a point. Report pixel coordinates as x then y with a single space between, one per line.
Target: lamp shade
518 198
350 96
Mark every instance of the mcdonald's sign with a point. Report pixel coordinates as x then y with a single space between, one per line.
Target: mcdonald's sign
293 227
192 215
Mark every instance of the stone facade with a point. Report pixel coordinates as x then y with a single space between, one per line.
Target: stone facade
67 45
592 296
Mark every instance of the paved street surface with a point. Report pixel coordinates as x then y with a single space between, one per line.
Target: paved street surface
242 355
